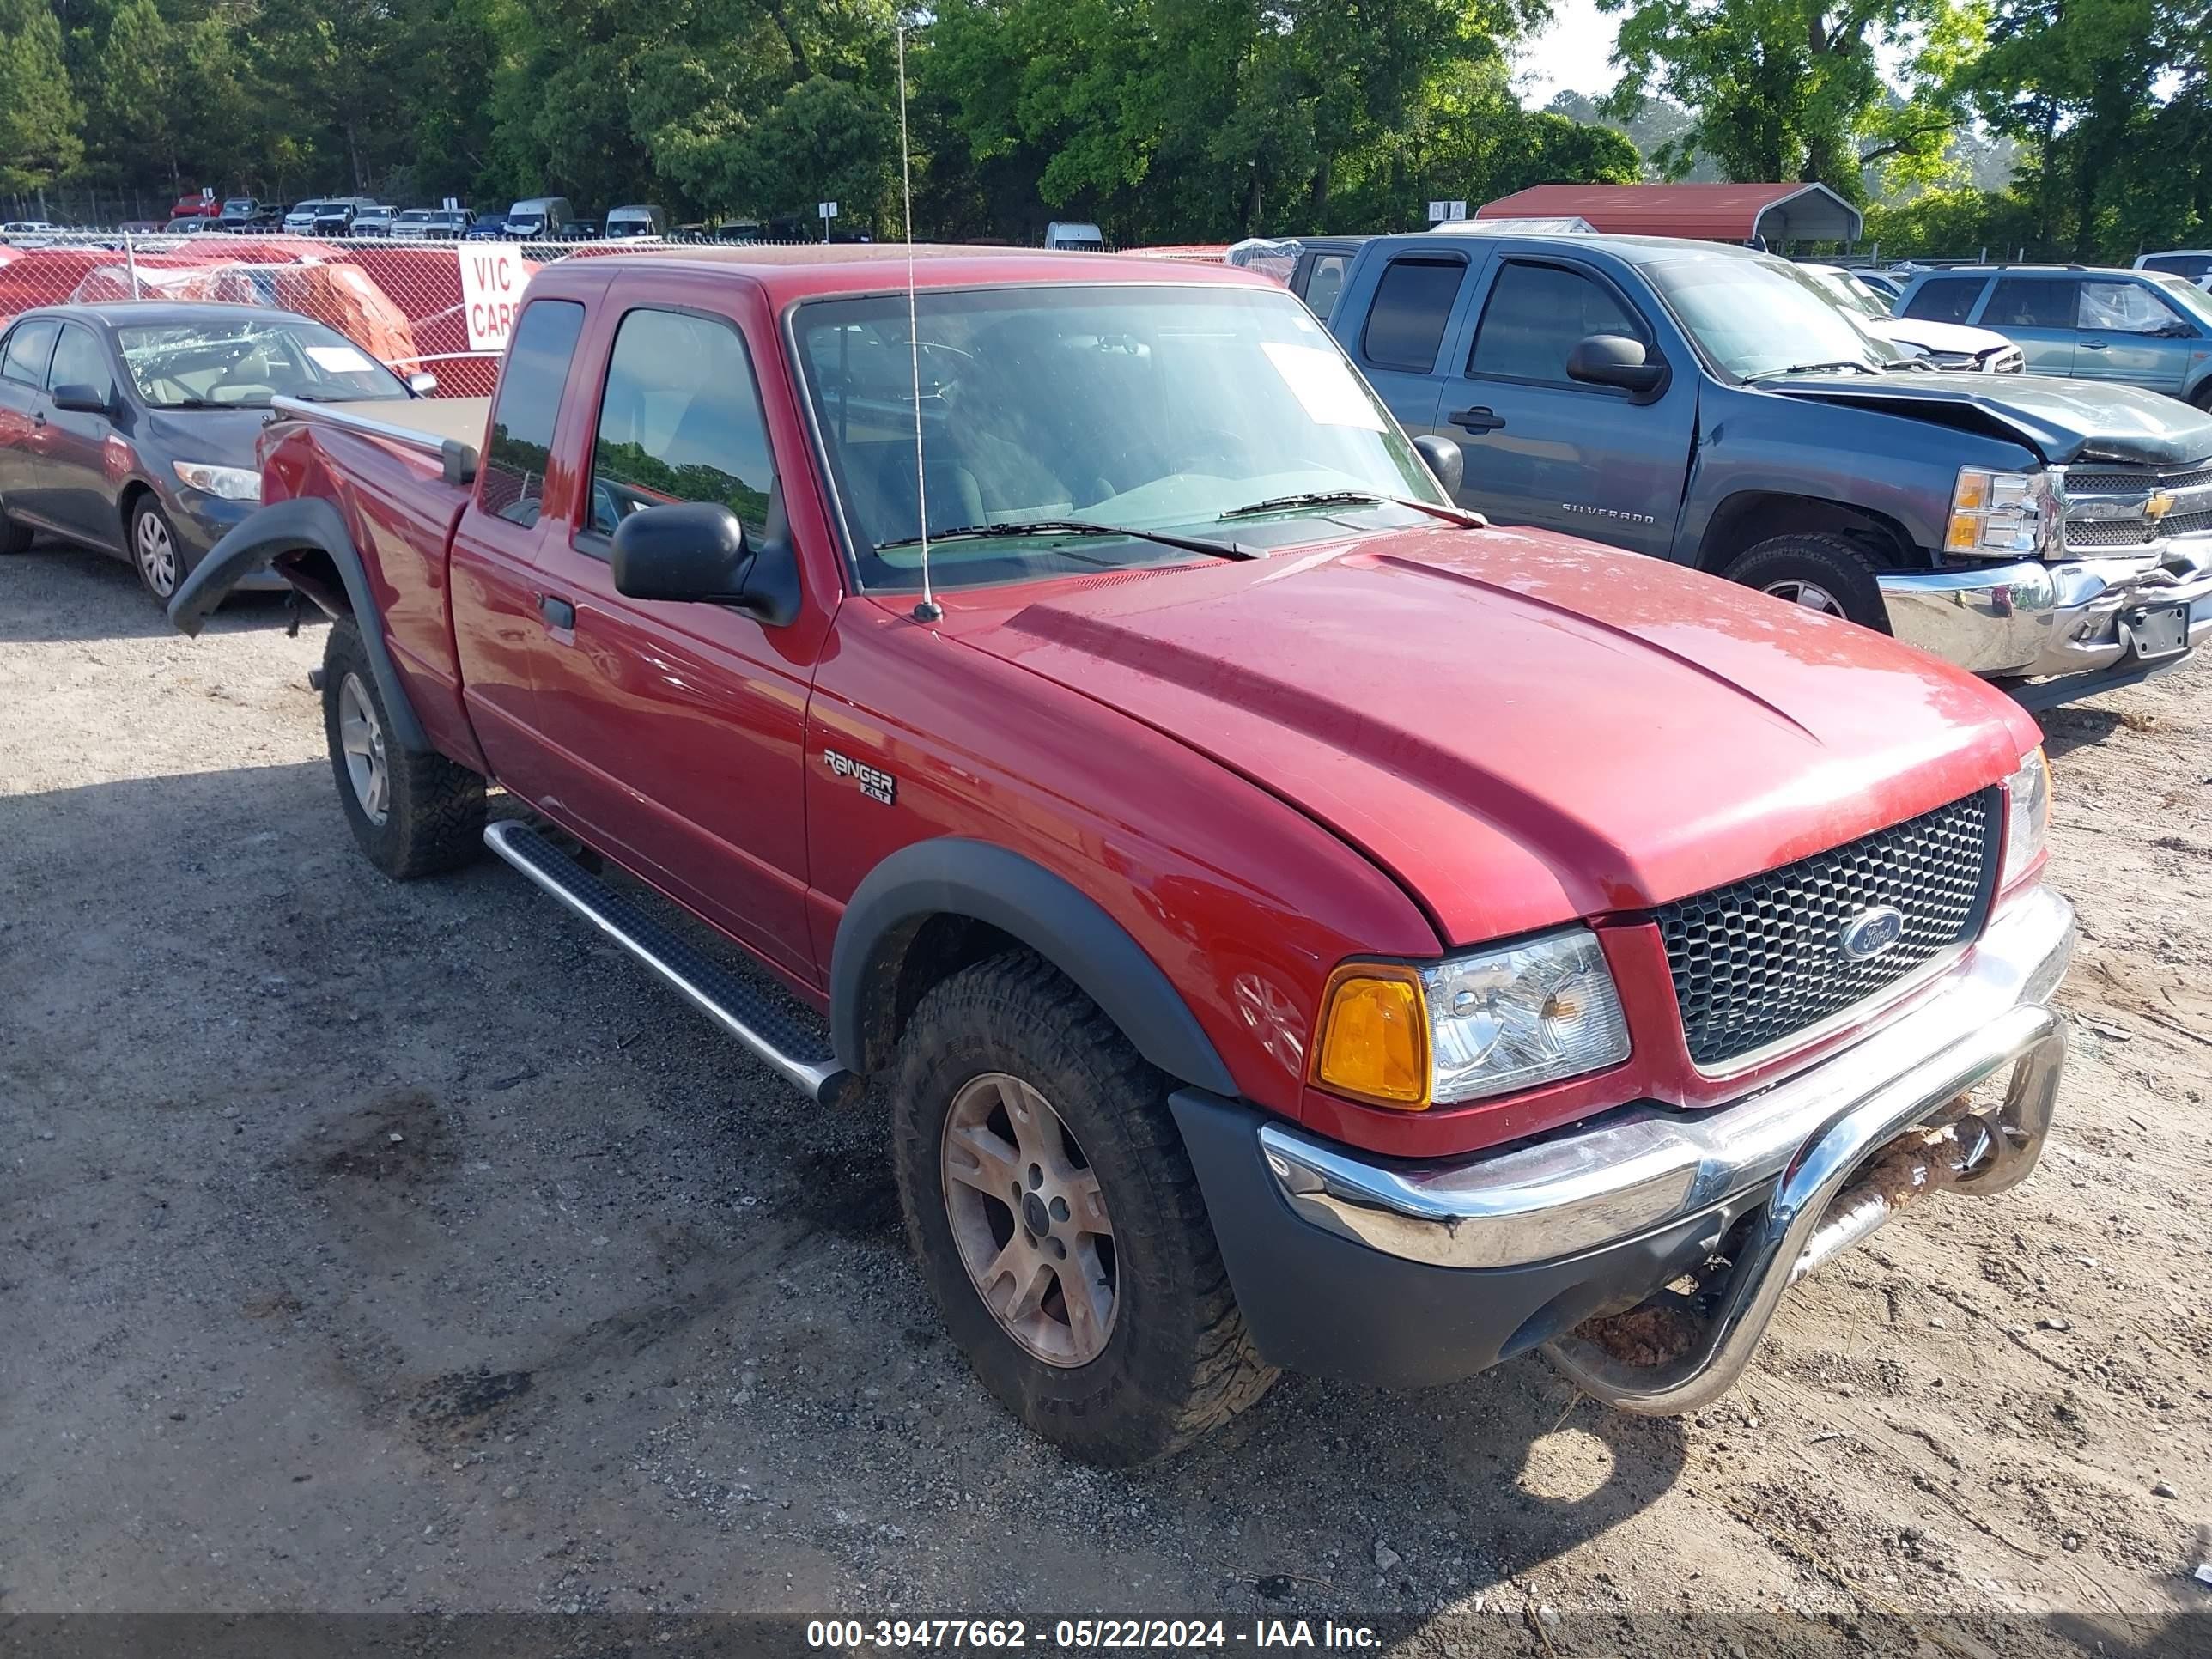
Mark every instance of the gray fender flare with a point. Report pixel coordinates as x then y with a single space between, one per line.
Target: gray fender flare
992 884
286 527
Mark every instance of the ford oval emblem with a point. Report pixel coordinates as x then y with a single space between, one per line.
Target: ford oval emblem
1870 933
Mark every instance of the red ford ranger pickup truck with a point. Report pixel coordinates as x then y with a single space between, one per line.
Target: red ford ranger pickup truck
1297 925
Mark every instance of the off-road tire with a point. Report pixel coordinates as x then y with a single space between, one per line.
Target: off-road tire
1178 1361
434 815
13 538
1834 564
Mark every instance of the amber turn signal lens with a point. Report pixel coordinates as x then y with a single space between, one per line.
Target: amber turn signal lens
1374 1036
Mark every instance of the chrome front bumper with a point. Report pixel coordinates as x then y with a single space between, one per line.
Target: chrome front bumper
1646 1168
2030 620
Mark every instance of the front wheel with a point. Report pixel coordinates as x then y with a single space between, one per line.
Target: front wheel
1058 1221
153 552
1815 572
413 814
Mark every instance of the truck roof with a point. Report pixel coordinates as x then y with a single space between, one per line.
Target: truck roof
816 269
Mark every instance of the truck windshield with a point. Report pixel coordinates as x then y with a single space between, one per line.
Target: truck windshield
1144 407
1758 316
243 362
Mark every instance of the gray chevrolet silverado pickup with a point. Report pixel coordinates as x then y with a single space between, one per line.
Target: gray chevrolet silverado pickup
1709 405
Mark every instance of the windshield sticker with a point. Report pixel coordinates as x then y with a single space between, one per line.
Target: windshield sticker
339 359
1322 381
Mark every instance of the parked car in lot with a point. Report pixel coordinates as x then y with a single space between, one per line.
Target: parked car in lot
131 427
1300 924
193 226
196 207
636 220
2191 264
431 224
335 217
2137 328
245 213
540 219
1887 284
28 232
492 228
300 217
1948 345
372 221
1702 403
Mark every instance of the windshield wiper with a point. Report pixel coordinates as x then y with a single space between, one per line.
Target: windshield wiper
1080 527
1355 498
1814 368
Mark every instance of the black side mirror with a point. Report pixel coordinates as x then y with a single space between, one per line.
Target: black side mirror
1445 458
696 552
1614 359
80 400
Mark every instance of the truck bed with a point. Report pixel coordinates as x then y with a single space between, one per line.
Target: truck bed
450 427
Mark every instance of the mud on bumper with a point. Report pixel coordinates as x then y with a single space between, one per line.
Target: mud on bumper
1410 1274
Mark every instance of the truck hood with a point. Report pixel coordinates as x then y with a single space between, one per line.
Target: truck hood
2062 421
1936 337
1521 727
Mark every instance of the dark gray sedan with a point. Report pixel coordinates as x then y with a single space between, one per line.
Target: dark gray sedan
131 427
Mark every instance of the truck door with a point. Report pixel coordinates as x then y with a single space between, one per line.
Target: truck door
675 734
1395 330
495 586
1543 449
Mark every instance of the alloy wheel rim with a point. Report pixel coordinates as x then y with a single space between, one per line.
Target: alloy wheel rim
1811 595
1029 1220
157 554
361 740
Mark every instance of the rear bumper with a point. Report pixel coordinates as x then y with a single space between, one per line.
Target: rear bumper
1411 1275
2074 620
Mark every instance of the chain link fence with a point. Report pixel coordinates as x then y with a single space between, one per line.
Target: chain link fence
398 298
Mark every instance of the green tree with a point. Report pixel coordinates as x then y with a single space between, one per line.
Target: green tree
1791 90
39 115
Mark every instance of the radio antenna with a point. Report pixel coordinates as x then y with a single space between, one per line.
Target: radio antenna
928 610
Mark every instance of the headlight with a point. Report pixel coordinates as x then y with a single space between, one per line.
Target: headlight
1482 1023
2005 514
2027 814
232 484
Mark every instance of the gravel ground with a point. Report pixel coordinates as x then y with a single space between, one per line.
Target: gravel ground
367 1247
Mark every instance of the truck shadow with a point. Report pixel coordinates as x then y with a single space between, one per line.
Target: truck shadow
57 591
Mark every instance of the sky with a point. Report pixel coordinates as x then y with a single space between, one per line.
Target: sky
1569 53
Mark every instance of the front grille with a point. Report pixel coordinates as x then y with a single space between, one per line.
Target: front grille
2088 484
2012 360
1759 961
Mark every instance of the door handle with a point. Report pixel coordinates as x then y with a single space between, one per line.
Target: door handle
39 420
2092 345
1477 419
558 612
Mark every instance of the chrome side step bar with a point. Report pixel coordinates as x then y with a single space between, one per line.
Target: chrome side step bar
793 1045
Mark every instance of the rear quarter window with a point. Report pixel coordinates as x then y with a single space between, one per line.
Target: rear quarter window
1412 302
529 404
1945 299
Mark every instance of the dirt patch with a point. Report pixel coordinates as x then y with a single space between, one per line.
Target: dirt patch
619 1323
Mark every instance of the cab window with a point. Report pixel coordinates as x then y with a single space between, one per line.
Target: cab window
529 403
28 347
680 422
1534 317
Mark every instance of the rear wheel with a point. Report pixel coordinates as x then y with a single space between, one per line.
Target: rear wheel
1816 572
1057 1220
13 538
414 814
153 552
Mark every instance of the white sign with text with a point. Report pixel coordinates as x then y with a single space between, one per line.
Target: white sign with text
493 277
